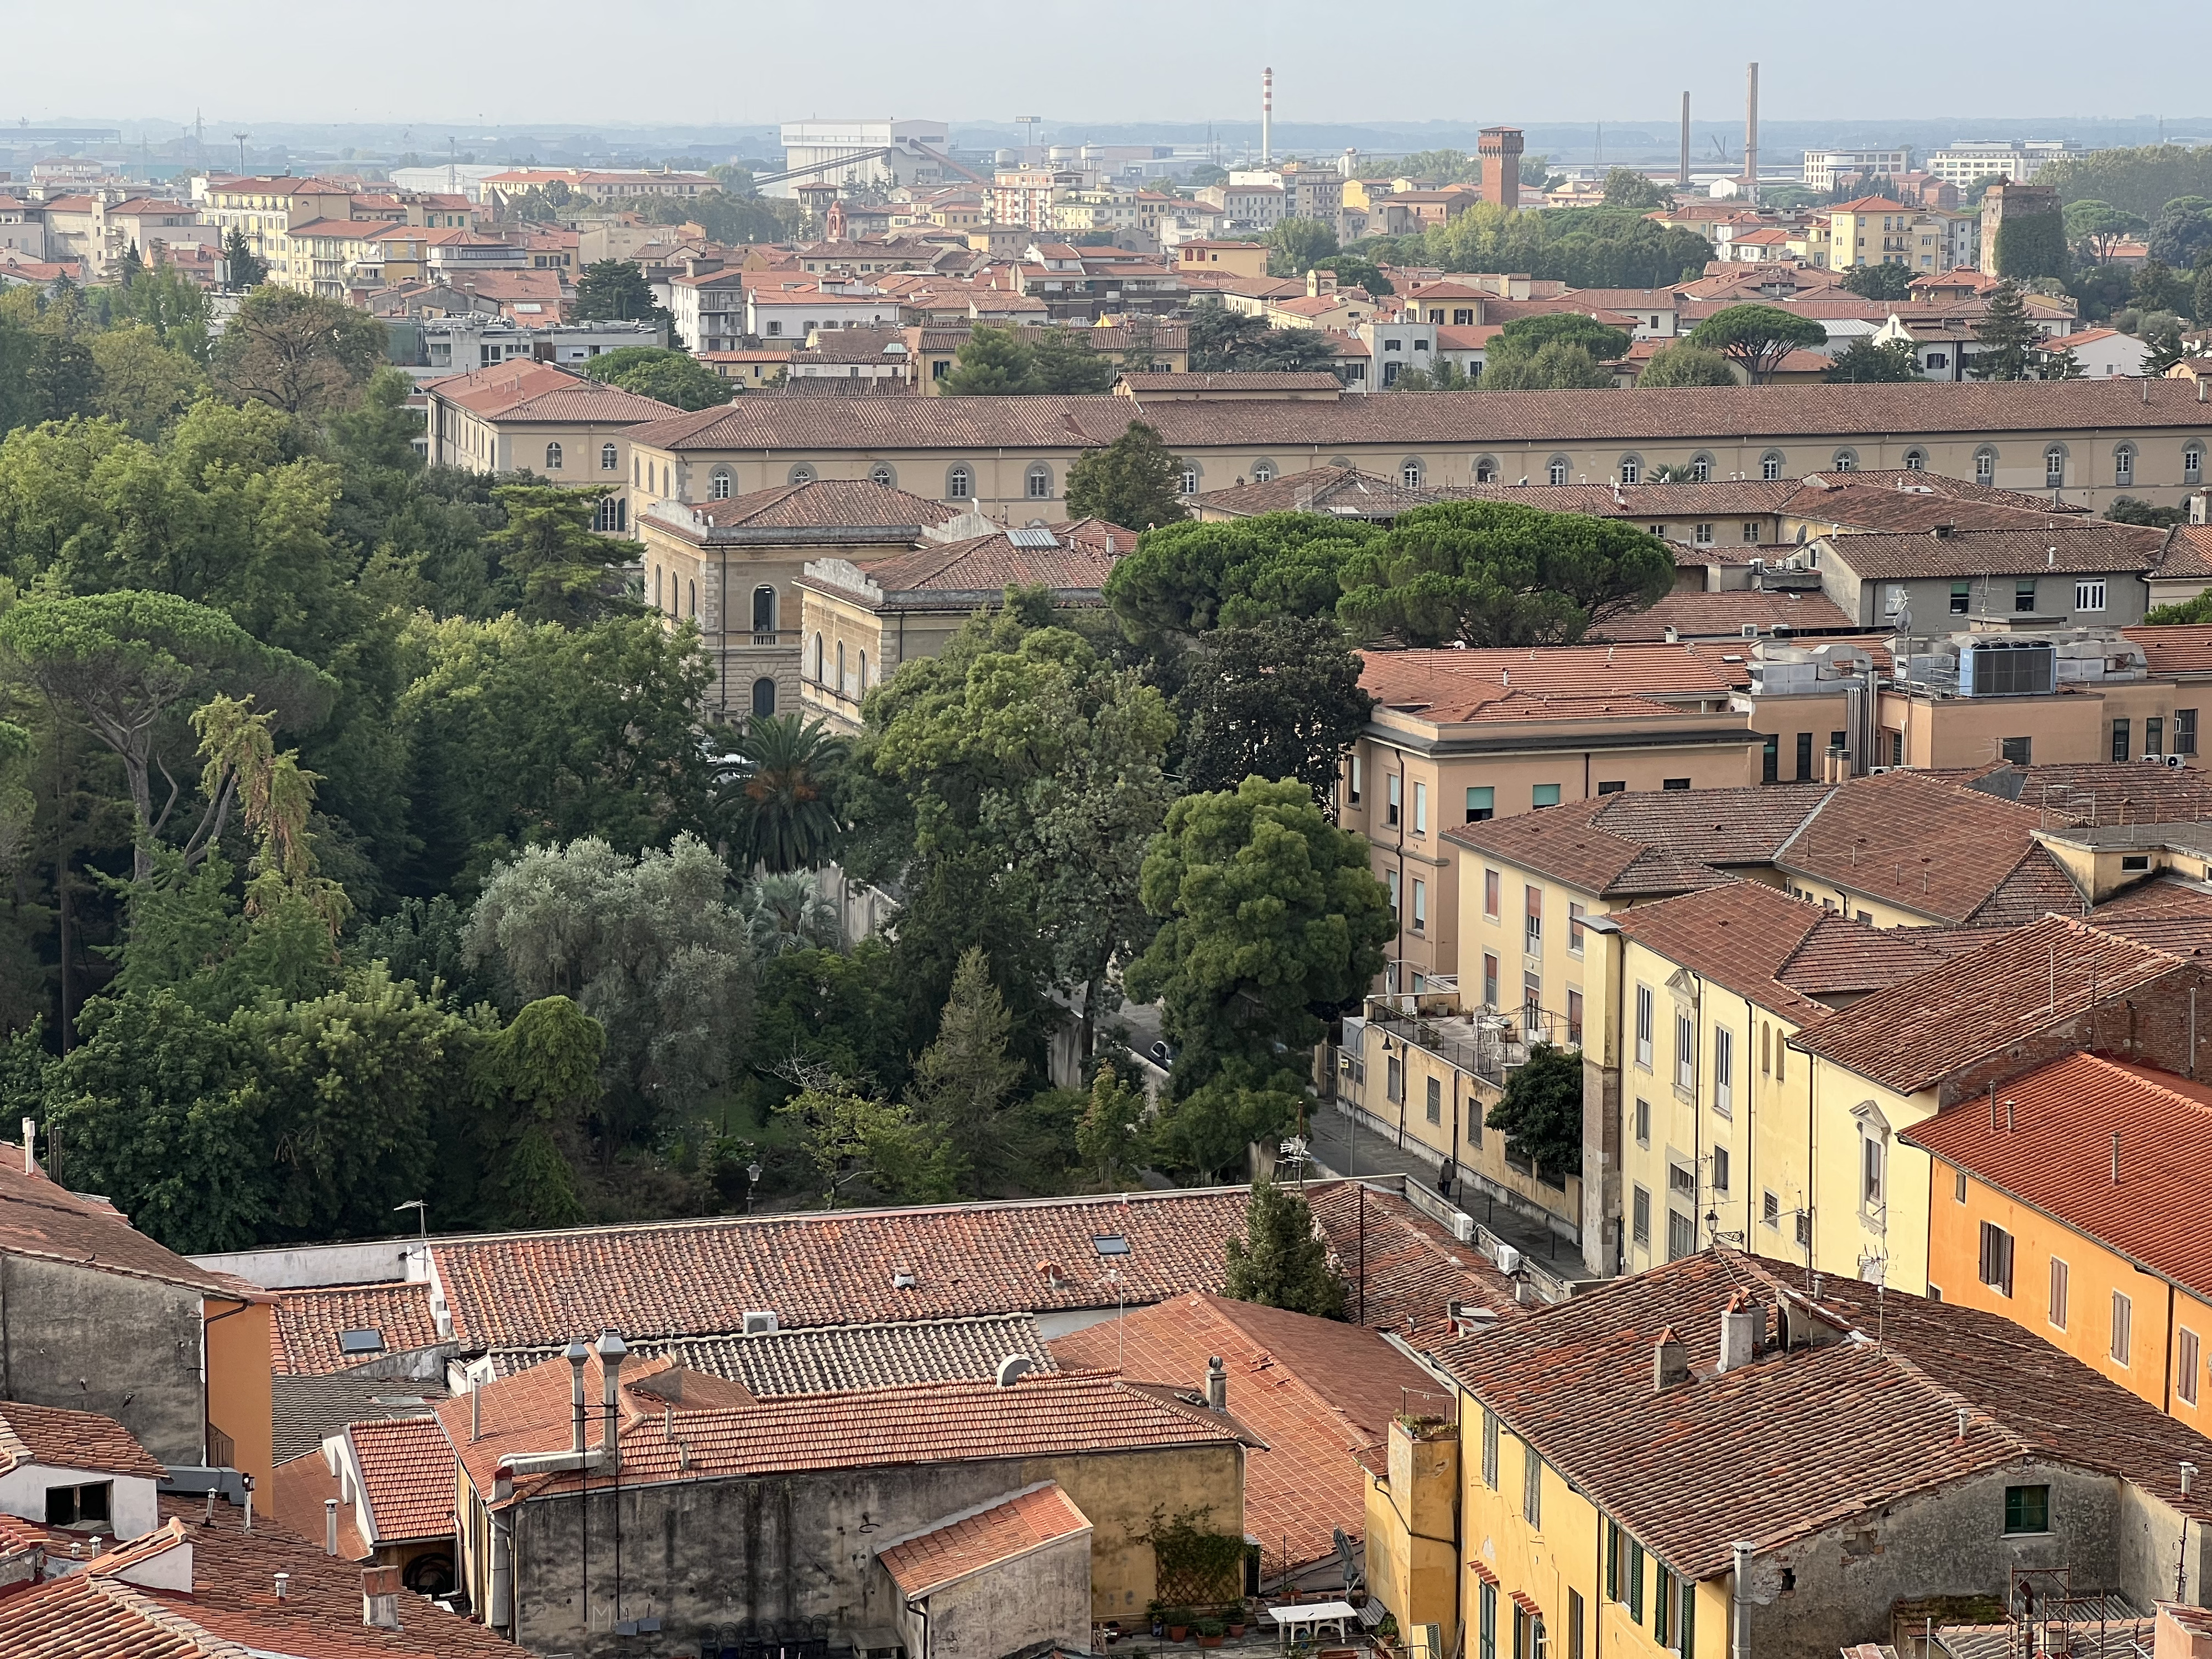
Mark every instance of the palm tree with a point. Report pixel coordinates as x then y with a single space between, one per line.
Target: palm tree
774 800
787 912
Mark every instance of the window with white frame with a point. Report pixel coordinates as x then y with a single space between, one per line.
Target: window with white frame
2124 466
2089 594
1555 470
1724 1070
1643 1018
1686 1052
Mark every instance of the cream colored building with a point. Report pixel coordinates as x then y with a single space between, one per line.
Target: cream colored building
1010 455
532 417
730 565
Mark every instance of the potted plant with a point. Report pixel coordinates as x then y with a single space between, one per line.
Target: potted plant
1237 1620
1210 1632
1177 1621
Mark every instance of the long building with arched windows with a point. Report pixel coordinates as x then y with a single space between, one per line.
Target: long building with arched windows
2087 442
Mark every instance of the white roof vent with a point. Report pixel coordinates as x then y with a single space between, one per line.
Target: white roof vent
1012 1366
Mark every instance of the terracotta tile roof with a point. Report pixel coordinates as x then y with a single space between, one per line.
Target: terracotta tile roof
1646 503
2094 547
2101 792
958 572
2053 1150
1341 491
71 1440
2160 897
1723 615
1563 843
231 1610
1454 418
303 1337
1313 1390
1242 381
1909 511
680 1279
297 1488
1793 1443
1747 938
2030 980
1450 685
1924 842
2184 649
407 1473
37 1218
1843 958
539 392
1031 1518
2188 555
1722 827
855 508
1041 1414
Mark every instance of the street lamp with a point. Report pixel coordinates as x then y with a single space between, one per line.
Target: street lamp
752 1180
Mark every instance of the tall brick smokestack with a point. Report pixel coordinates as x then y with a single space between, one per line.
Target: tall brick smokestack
1267 118
1751 136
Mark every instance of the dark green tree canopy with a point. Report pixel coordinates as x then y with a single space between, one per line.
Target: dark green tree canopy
1499 574
1280 698
776 797
1297 245
2182 231
1685 365
2032 246
672 377
1757 336
1879 281
1862 363
1282 1262
1222 341
1186 578
616 290
1541 1109
1133 481
1624 187
298 352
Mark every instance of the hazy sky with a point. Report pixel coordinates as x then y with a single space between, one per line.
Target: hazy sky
681 61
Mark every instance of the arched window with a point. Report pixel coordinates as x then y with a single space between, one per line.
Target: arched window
656 588
1190 477
864 673
553 457
1555 470
1701 468
1263 470
633 469
609 460
1847 460
2192 464
692 598
1632 469
1916 460
1771 465
1040 482
718 487
959 484
1986 464
1486 470
883 475
2124 464
843 689
802 474
763 695
1411 473
817 659
613 515
2054 467
764 612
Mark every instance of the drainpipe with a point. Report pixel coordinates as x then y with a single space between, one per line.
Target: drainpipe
1740 1600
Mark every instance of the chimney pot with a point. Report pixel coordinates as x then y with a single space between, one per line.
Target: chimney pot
576 1354
330 1526
283 1585
1741 1323
1216 1385
30 1146
612 1351
1670 1362
379 1597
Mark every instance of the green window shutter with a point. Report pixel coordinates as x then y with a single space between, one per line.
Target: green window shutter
1689 1620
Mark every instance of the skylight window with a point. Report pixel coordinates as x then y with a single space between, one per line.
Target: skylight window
361 1341
1110 1244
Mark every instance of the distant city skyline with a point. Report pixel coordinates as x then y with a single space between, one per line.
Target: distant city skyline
689 62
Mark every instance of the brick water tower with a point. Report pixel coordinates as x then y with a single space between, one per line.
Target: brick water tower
1500 149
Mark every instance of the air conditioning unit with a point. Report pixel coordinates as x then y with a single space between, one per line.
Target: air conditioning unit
1876 771
2177 761
1507 1258
759 1320
2155 760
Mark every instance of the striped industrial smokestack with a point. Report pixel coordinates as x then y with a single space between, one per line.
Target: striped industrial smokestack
1267 118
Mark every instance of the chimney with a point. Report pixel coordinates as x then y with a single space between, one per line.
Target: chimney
1216 1385
283 1586
1751 136
2115 1157
30 1146
247 1481
475 1413
1670 1362
1739 1331
576 1354
1266 116
612 1350
330 1526
379 1597
1682 175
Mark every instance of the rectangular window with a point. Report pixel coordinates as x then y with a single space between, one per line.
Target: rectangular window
1644 1026
1532 933
1685 1052
1532 1485
1614 786
1962 593
1959 1187
2185 1365
1390 813
1996 1259
1662 1604
2185 730
1574 914
1491 883
1721 1169
1574 1624
1702 535
1575 1016
1435 1101
1804 756
2124 1319
1681 1235
1395 1080
1489 980
1421 905
1769 759
1390 880
1751 530
1869 1170
2089 595
1532 1006
2027 1508
1356 770
1481 805
77 1506
1542 795
1769 1209
1640 1218
1724 1070
1677 784
2121 748
1611 1561
1643 1122
1490 1449
1633 1567
2153 735
1420 809
2015 751
2023 594
1487 1628
1685 1627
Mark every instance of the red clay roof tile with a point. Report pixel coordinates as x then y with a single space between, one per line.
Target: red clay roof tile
958 1547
